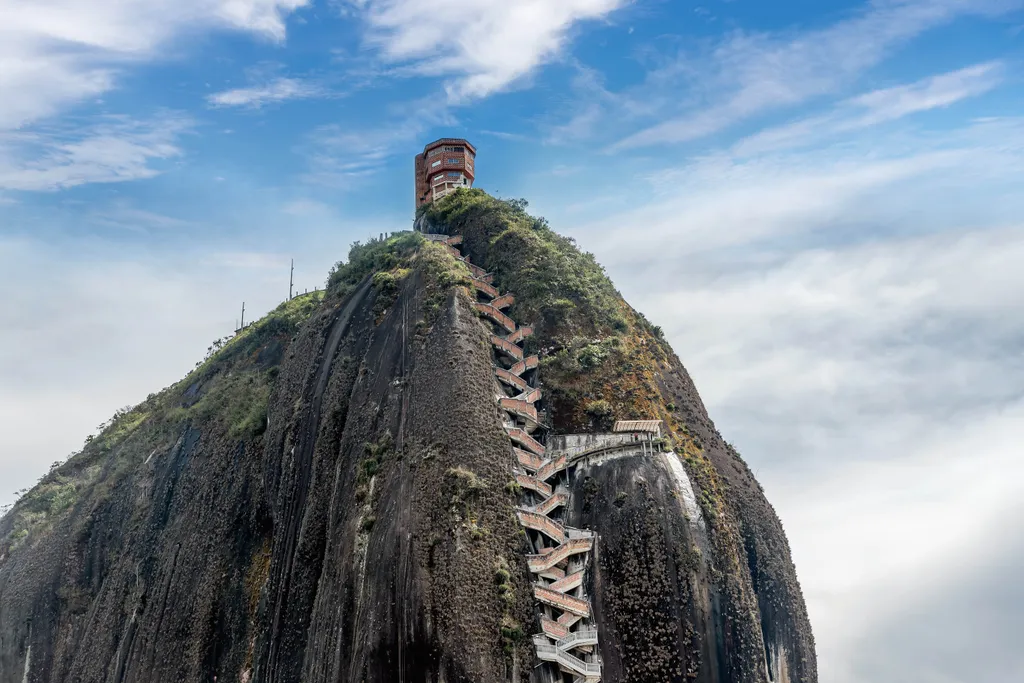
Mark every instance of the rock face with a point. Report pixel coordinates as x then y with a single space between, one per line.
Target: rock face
331 496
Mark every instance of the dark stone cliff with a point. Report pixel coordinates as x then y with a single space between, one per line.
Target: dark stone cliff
330 497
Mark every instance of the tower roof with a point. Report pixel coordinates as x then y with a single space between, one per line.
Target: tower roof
450 141
637 426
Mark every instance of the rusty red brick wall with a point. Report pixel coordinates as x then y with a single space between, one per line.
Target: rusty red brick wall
434 161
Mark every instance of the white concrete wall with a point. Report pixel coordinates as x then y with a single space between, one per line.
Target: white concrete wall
687 497
577 443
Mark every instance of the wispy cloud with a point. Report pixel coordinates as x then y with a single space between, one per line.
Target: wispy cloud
124 216
343 156
722 202
931 93
849 316
277 90
483 46
866 384
148 312
588 105
117 149
879 106
59 52
504 134
751 73
88 291
248 260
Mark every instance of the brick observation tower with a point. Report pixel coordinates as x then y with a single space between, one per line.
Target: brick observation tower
444 166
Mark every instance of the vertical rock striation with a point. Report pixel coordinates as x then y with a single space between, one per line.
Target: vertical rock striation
357 488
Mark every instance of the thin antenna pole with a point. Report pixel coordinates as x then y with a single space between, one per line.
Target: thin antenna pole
243 317
291 280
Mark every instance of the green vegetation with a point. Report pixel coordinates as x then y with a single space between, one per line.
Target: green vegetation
57 492
552 279
386 283
376 256
600 358
511 630
391 260
43 506
376 453
280 324
230 387
441 273
595 354
706 480
467 484
465 487
599 408
124 422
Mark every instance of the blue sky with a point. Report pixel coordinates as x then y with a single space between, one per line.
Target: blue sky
821 202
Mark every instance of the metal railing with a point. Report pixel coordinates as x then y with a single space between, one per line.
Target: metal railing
577 639
549 652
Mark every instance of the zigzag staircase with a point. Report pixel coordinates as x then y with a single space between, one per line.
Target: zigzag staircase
568 638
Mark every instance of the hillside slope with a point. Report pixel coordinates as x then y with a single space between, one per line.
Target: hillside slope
331 497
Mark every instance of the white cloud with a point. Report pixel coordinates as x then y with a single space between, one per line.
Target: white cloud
753 206
248 260
850 318
484 46
878 106
752 73
55 53
117 150
126 217
588 101
277 90
88 297
343 155
931 93
96 323
873 389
